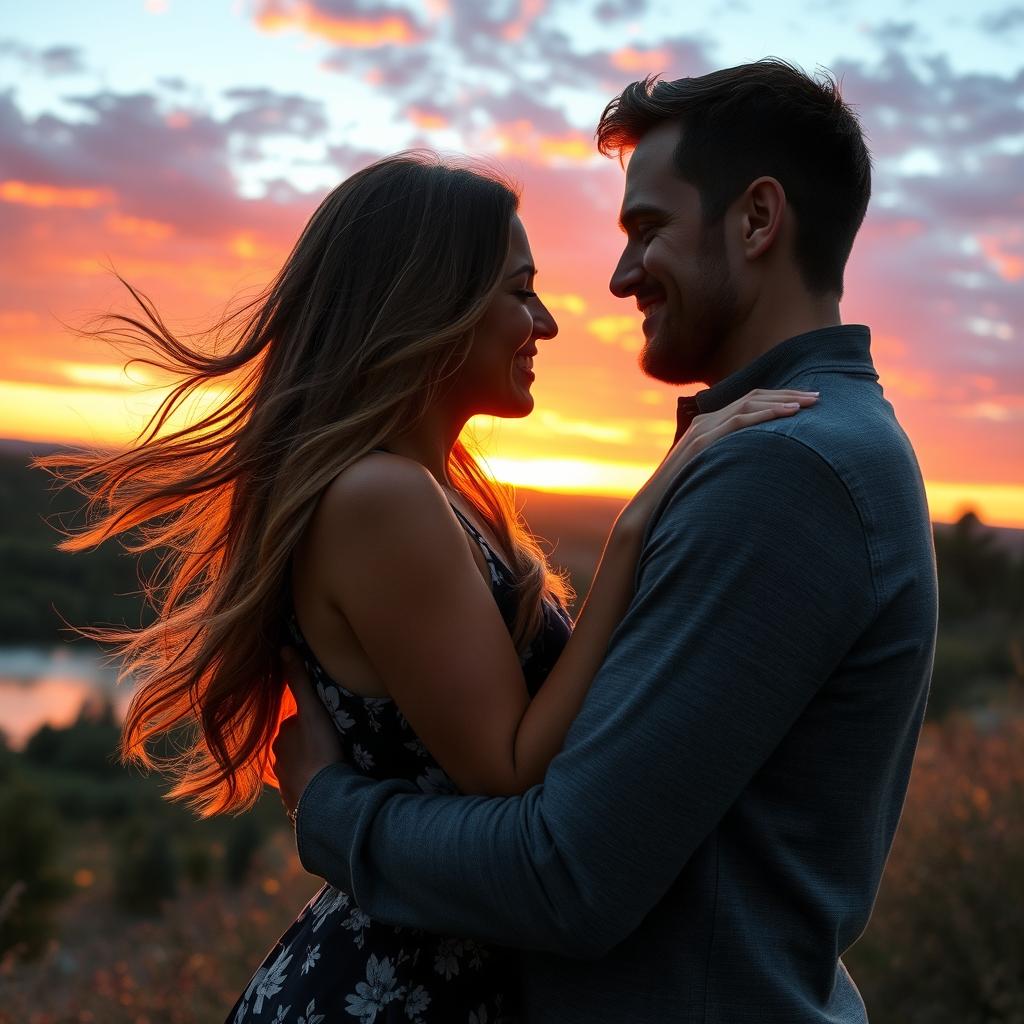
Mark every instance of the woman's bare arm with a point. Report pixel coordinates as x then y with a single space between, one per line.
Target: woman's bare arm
406 581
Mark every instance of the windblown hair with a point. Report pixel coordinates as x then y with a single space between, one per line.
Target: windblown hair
763 119
365 325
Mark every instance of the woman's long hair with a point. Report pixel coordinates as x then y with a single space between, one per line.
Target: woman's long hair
362 329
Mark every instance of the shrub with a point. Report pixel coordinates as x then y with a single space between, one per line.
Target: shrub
146 869
197 862
88 746
242 843
30 885
946 940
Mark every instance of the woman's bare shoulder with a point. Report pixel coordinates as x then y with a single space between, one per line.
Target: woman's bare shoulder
380 493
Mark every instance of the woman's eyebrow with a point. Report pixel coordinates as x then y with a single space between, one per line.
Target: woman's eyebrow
526 268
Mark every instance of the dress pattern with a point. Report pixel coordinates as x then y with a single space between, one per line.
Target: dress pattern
334 963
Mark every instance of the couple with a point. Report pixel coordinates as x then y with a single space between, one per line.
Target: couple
678 809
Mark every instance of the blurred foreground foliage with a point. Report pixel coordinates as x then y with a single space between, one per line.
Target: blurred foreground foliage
131 898
946 940
65 792
118 907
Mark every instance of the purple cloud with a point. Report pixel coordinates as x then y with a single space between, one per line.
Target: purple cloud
266 112
52 61
1008 20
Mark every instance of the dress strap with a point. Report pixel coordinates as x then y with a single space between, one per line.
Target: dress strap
494 562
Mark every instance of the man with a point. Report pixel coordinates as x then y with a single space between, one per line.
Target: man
711 838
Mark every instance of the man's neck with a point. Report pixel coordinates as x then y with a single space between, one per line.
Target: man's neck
769 324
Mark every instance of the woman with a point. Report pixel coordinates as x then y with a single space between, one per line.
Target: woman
327 502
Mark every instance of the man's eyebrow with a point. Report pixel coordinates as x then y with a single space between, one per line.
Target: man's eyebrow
634 213
526 268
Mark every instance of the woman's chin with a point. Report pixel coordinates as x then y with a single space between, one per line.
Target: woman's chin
514 408
517 412
525 404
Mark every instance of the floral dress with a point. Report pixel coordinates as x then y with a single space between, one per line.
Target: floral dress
334 963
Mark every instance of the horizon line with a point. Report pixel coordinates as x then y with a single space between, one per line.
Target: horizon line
948 501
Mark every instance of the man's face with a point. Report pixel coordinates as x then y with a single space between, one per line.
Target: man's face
675 265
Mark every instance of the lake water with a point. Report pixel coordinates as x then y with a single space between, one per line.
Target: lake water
40 685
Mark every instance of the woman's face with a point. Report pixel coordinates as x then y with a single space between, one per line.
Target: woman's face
496 377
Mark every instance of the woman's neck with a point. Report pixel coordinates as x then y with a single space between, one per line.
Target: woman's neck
430 443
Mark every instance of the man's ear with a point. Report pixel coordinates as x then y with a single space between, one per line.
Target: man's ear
762 214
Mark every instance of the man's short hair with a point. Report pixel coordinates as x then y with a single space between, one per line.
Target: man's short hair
768 118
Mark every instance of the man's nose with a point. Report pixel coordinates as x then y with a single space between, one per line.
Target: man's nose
544 325
628 274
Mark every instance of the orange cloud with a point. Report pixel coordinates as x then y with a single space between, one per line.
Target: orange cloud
521 139
104 375
887 346
575 146
18 320
911 383
630 59
1009 265
623 331
549 423
570 303
247 247
365 32
26 193
529 10
993 411
426 120
112 410
138 227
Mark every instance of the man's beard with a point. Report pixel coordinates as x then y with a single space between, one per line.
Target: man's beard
677 355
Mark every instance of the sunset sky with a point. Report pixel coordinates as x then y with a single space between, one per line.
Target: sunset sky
186 144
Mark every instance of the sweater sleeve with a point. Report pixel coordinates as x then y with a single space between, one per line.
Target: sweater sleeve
754 581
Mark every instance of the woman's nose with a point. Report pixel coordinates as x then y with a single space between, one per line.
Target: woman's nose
544 325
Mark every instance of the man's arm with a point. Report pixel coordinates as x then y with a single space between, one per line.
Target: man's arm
755 581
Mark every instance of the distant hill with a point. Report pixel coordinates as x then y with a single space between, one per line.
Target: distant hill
1006 537
45 589
27 449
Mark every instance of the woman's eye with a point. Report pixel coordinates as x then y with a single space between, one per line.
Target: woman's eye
525 293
